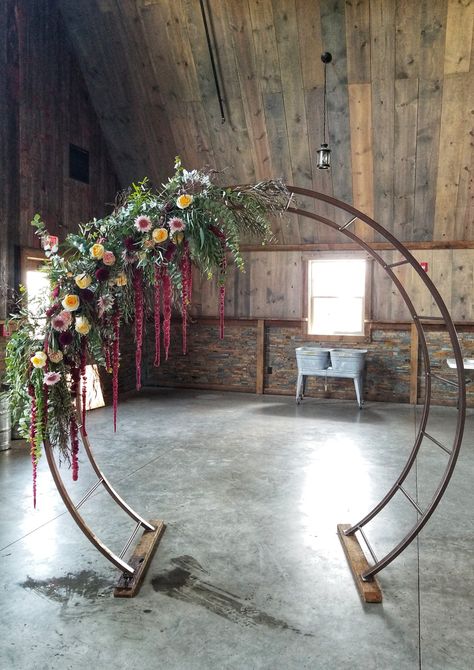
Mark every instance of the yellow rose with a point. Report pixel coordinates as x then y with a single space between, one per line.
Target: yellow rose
184 201
71 302
83 281
159 235
83 325
39 359
121 279
97 251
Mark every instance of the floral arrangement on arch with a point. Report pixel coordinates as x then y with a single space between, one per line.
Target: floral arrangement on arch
117 270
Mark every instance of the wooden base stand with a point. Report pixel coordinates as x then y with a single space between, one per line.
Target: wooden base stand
370 591
128 587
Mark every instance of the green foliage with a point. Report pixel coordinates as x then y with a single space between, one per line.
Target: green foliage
95 268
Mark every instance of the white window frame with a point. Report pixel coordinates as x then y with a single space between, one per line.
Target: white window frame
365 304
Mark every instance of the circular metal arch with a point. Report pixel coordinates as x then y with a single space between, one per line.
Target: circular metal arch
419 321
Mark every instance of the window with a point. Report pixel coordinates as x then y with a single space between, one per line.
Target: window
38 291
336 304
35 282
78 164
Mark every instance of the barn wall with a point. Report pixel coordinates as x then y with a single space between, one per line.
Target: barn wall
244 357
44 106
273 287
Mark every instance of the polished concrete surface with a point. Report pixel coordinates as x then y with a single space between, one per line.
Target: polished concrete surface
250 573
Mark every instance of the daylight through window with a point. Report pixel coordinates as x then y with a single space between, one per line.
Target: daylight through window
336 303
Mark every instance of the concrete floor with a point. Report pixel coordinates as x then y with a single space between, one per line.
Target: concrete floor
250 573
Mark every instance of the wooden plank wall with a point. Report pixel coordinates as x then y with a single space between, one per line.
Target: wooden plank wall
54 111
400 100
273 289
44 106
9 204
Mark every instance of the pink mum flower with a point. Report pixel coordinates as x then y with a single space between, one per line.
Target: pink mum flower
104 304
129 256
51 378
176 225
62 321
143 224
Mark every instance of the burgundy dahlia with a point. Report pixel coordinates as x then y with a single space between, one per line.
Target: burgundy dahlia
102 274
129 243
65 338
86 295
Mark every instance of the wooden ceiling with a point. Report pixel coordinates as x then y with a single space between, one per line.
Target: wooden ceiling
400 99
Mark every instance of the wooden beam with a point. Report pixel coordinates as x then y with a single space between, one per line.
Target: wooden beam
414 353
260 356
140 561
352 246
383 324
370 591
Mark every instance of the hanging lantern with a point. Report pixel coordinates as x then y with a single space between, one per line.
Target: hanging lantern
324 157
324 152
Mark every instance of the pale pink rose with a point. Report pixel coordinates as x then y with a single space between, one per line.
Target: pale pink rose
108 258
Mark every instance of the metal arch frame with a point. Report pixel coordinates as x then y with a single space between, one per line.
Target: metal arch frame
134 570
445 319
128 570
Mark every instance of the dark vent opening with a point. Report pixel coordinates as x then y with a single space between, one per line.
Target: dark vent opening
78 164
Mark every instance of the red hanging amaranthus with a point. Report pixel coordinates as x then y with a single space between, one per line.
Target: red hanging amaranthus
83 375
138 296
34 459
73 428
45 407
157 309
222 297
166 311
108 361
115 364
185 267
74 448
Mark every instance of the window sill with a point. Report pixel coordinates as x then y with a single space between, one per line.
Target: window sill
353 339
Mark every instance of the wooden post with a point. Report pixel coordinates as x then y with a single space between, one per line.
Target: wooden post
414 352
260 356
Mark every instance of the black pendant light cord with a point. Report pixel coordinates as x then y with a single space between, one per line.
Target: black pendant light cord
324 107
214 70
326 58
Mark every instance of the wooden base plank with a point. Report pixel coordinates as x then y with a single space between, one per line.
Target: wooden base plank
140 560
370 591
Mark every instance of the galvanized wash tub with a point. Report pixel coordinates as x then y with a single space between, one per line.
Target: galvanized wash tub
348 360
310 359
345 363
